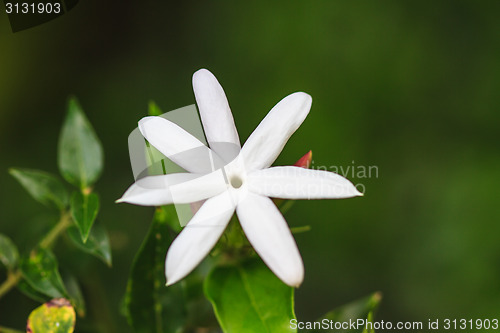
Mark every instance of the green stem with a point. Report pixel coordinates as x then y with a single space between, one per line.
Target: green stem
9 330
12 280
15 276
58 229
298 230
285 206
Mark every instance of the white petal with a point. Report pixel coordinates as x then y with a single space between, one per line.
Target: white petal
198 237
269 234
200 188
289 182
216 115
154 190
267 141
178 145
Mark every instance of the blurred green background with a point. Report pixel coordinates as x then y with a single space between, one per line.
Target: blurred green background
409 87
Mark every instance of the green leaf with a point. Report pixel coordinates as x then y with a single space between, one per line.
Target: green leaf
75 294
360 309
97 243
200 312
8 252
56 316
42 186
80 155
151 306
40 271
31 292
84 209
248 297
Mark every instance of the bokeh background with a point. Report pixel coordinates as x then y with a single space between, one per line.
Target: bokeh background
410 87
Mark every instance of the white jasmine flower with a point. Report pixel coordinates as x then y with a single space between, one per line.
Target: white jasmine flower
239 180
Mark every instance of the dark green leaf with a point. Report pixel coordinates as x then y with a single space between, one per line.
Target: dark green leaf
31 292
249 298
84 209
8 252
165 213
56 316
200 312
40 271
42 186
80 153
360 309
75 294
97 243
151 306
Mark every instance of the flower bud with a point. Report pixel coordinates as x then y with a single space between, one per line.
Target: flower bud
305 161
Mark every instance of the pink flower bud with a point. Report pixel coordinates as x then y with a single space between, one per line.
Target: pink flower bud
305 161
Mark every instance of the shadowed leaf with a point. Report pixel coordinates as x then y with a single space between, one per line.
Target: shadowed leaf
97 243
75 294
360 309
31 292
151 306
9 255
43 187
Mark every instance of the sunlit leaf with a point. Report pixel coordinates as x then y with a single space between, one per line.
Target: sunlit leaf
80 155
42 186
84 209
56 316
97 243
8 252
249 298
40 271
151 306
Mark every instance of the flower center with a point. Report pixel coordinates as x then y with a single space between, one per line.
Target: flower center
236 182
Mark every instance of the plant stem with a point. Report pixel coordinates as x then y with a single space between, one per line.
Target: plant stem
298 230
13 277
59 228
12 280
9 330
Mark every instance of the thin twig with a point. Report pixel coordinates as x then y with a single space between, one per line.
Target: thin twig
12 280
9 330
13 277
58 229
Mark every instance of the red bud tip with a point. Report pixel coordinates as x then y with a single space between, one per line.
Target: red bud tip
305 161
